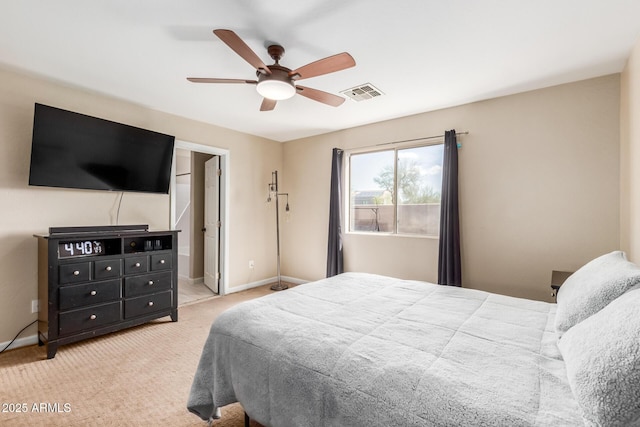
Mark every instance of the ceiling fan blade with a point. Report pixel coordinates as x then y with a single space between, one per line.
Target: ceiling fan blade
240 47
268 104
214 80
320 96
327 65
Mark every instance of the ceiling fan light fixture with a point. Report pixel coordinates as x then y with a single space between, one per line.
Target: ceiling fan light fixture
276 82
276 89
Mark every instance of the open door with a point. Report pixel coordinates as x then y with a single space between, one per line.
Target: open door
210 193
212 224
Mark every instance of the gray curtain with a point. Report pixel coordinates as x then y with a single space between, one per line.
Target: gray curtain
334 251
449 265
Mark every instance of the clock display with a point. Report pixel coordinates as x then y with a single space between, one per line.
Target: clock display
81 248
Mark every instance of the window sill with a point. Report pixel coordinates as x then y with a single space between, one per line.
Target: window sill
411 236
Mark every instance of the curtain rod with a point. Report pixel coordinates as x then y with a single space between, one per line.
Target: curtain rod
420 139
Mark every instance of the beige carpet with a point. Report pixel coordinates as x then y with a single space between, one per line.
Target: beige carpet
137 377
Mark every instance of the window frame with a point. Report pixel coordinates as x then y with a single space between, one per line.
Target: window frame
347 189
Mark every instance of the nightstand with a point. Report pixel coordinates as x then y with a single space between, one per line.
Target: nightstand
557 279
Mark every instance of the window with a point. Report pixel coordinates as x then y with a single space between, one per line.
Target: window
413 174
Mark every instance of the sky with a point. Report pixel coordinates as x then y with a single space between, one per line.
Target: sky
366 166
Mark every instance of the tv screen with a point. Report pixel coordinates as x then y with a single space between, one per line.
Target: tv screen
72 150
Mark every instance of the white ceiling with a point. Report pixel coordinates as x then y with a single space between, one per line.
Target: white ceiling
423 54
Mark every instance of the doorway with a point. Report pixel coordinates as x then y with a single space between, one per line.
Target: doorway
199 191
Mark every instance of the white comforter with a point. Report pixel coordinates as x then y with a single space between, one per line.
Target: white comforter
366 350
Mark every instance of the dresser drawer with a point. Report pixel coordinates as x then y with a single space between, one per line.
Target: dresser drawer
74 273
146 284
89 318
136 264
75 296
140 306
161 261
106 269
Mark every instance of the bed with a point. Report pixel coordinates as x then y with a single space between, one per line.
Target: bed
360 349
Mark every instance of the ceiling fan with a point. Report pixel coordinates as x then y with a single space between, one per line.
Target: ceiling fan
275 82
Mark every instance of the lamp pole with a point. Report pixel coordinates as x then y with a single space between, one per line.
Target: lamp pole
273 189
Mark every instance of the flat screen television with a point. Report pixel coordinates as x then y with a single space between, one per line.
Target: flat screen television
73 150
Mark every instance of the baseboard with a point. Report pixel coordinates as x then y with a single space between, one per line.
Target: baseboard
192 281
251 285
20 342
293 280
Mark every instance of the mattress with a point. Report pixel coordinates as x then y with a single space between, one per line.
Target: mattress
367 350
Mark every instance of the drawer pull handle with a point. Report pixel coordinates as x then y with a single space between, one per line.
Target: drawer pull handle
150 282
93 317
108 268
150 304
76 273
137 264
161 261
93 293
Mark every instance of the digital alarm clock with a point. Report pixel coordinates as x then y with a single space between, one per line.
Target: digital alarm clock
81 248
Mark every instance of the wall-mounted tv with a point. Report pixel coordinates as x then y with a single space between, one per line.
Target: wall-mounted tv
73 150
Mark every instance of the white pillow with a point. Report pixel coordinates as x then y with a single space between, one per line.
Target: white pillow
592 287
602 357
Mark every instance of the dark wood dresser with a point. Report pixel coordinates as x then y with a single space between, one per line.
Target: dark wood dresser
97 280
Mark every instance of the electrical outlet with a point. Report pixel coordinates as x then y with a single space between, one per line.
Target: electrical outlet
252 264
35 305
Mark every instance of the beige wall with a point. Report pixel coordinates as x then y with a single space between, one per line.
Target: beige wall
540 179
28 210
539 190
630 157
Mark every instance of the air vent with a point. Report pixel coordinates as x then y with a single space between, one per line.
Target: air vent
362 92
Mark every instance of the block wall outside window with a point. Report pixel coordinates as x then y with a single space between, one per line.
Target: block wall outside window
396 191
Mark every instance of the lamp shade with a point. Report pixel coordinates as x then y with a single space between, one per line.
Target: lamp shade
276 89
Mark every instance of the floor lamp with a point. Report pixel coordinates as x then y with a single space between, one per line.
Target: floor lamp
273 192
